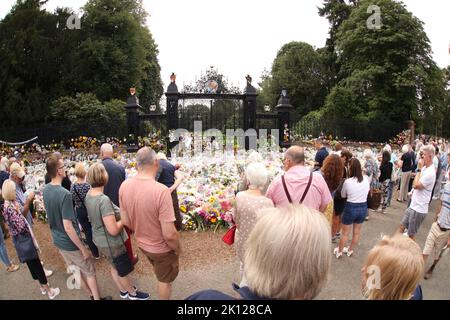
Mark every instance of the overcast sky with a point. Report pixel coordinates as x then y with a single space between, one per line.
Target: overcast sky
242 37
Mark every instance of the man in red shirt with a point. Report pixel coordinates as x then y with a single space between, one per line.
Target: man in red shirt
146 208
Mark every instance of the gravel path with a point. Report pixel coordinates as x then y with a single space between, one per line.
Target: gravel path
206 262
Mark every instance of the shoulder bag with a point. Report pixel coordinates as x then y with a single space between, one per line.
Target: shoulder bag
122 262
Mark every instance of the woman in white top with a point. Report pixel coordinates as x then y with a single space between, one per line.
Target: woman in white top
355 189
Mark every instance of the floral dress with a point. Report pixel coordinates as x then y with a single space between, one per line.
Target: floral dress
13 216
245 217
372 171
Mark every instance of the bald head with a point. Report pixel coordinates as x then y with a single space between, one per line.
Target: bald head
145 158
296 154
106 151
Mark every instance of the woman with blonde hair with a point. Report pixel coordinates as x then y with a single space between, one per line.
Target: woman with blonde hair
108 230
23 239
79 189
393 269
287 257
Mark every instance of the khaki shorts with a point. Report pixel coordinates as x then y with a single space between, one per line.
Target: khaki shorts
165 265
436 241
116 251
87 266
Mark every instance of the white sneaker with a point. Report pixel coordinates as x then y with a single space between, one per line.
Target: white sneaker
337 253
54 292
348 253
43 291
48 273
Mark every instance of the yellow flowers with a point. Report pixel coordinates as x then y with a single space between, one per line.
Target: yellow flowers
183 208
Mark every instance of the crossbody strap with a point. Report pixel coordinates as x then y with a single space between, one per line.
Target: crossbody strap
307 187
106 231
288 195
285 189
78 195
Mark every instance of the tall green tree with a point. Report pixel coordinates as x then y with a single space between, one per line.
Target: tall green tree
299 68
388 72
118 51
27 66
41 59
336 12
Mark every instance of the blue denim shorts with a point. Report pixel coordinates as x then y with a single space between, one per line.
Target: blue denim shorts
354 213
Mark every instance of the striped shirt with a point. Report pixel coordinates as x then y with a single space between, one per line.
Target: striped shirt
444 216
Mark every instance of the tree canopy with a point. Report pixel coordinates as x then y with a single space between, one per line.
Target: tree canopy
363 74
42 60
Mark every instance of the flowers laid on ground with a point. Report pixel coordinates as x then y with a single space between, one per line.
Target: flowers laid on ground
401 138
207 195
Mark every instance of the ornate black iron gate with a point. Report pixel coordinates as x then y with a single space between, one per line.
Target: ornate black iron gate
225 111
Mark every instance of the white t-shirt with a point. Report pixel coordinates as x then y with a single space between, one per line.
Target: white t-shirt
435 163
354 191
421 198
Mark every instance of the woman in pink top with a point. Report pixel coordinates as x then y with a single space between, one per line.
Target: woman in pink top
248 204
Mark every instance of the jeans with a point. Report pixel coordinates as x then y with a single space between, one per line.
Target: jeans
385 186
83 219
3 253
390 191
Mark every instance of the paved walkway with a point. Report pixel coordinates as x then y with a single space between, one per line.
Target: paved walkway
344 279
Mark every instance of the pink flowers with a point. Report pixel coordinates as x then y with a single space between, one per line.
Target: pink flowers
226 205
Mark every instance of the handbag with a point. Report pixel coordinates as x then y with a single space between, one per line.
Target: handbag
122 262
26 245
228 237
374 199
26 251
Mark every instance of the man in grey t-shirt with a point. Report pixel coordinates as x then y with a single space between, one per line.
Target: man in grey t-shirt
63 226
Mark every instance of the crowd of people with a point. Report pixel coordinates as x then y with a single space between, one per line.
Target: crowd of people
279 220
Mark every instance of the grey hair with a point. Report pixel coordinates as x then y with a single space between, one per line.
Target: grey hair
429 149
368 153
106 147
257 175
145 157
296 154
288 253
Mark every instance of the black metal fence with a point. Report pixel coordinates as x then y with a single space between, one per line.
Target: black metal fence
48 132
346 129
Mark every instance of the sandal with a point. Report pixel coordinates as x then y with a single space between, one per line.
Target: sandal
13 268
